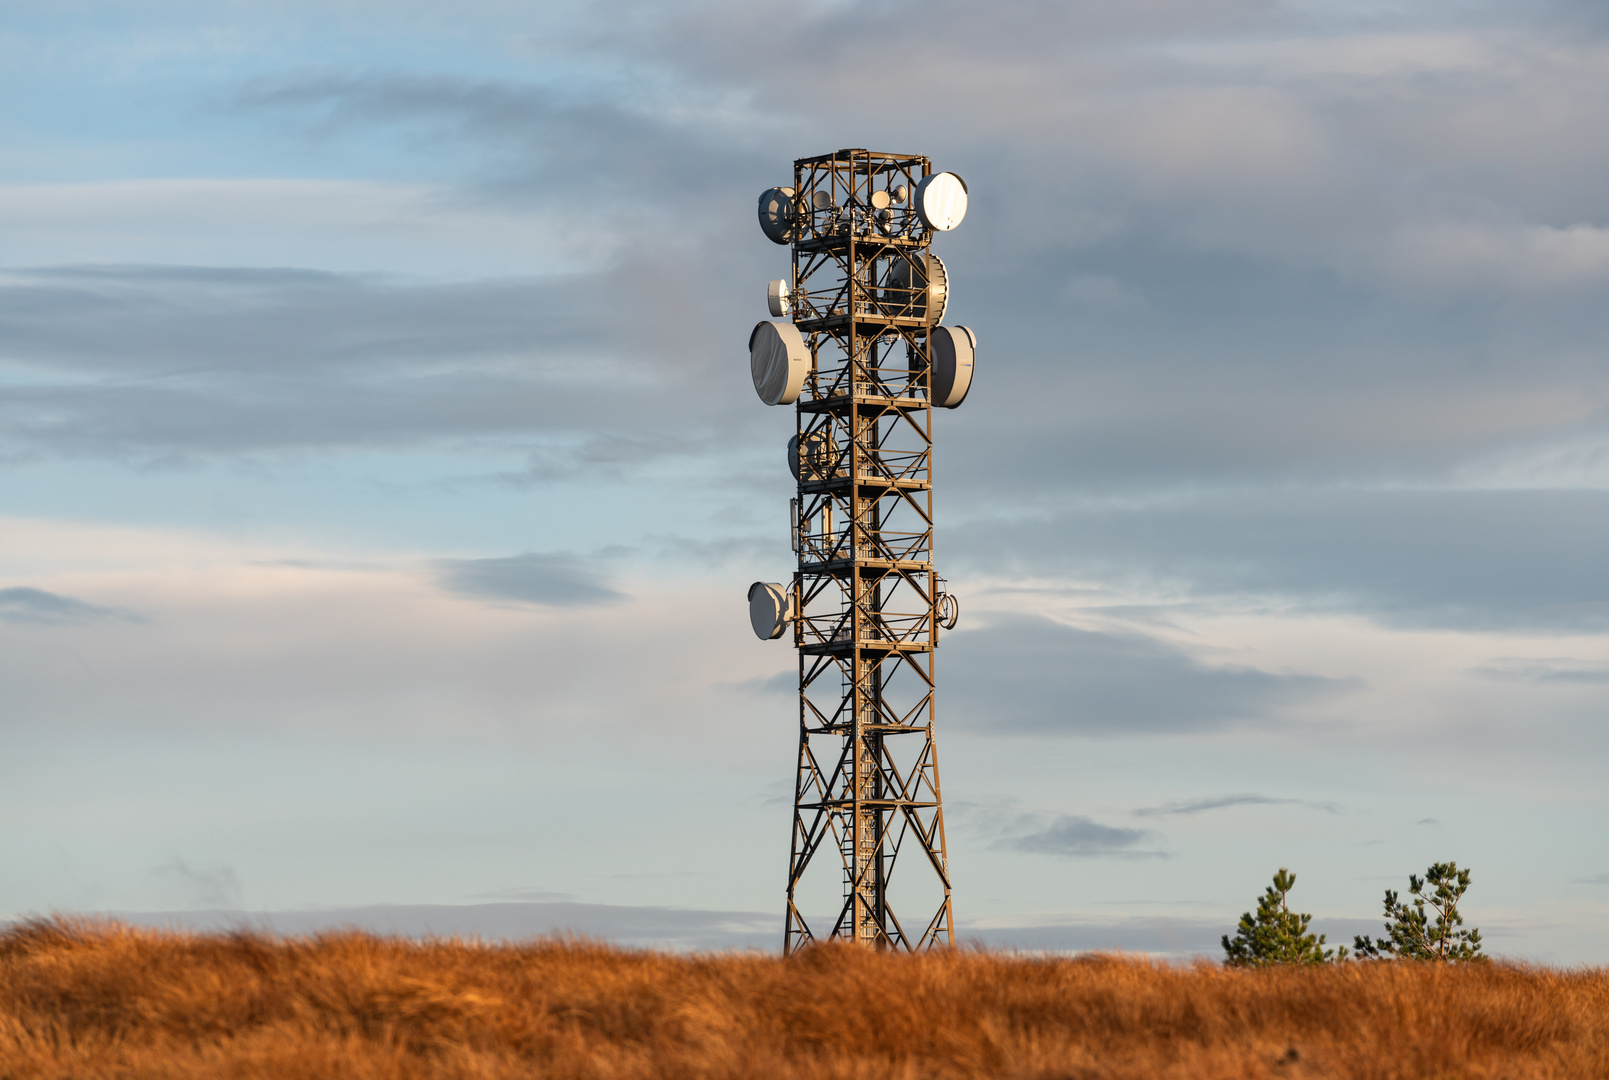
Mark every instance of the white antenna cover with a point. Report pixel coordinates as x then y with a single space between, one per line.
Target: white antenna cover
771 608
880 200
941 200
953 348
777 297
779 360
779 216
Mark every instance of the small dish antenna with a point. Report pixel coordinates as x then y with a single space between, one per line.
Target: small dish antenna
881 200
941 200
899 193
777 297
821 200
949 611
779 360
953 348
771 609
779 215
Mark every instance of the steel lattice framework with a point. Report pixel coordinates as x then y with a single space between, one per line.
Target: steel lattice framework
867 597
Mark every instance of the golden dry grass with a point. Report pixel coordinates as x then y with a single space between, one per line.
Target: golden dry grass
101 1000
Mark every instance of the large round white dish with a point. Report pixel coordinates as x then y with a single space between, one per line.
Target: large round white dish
779 361
941 201
952 349
779 216
770 609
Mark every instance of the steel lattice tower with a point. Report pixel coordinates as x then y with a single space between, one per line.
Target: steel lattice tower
866 605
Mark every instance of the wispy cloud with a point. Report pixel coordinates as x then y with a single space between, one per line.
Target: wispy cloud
1079 837
1036 676
23 604
551 579
1545 670
1220 802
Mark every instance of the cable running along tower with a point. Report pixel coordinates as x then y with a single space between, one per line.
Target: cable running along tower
861 352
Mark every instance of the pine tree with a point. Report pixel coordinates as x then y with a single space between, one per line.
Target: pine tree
1276 935
1413 936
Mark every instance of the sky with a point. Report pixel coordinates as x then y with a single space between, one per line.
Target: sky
381 479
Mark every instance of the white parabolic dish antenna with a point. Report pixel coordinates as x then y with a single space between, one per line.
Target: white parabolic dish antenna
953 348
779 360
770 609
941 200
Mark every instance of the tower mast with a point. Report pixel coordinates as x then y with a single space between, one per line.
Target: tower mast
865 359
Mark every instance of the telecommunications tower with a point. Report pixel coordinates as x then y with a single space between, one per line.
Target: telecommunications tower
863 356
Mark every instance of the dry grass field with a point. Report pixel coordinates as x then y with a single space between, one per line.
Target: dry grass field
88 1001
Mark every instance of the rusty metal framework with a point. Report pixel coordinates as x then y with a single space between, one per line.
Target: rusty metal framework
867 598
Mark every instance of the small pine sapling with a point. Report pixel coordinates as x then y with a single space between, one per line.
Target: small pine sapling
1276 935
1413 936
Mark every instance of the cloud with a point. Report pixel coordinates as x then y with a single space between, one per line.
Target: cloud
553 580
1197 806
1545 670
1522 560
1596 879
160 364
22 604
1073 836
1031 675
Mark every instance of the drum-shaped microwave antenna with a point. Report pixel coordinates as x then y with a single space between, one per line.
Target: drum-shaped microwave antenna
779 360
771 608
779 216
941 200
953 348
906 276
778 297
812 460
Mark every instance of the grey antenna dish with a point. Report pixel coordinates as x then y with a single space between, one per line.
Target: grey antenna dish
771 609
779 361
821 200
881 200
905 276
949 611
954 348
779 215
941 200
